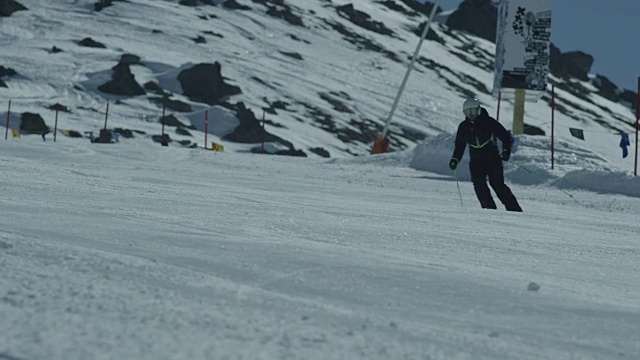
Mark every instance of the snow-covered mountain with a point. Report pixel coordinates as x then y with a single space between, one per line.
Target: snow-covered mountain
322 73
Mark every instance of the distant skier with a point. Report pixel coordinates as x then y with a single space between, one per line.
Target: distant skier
478 130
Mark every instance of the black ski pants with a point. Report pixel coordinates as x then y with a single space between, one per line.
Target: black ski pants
492 168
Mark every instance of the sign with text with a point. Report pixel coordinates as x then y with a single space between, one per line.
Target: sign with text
522 47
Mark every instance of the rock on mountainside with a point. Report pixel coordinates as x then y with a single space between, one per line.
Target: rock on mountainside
310 77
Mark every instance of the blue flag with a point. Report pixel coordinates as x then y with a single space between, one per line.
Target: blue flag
624 142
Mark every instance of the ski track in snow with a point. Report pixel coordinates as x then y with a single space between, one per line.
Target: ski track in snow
177 253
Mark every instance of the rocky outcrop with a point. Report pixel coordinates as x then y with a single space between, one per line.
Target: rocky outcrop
204 83
89 42
6 72
101 4
234 5
8 7
478 17
122 80
33 124
281 10
363 20
421 8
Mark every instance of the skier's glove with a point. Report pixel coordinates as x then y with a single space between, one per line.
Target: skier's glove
506 154
453 164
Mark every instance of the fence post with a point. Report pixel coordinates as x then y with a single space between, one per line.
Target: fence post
6 132
55 127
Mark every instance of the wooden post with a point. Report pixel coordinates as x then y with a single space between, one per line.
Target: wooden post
553 108
6 132
55 127
106 116
518 113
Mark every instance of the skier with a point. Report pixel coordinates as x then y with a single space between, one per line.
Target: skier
479 130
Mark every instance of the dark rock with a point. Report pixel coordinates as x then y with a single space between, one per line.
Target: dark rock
363 20
59 107
162 139
125 133
233 4
171 120
183 131
3 84
7 71
8 7
532 130
578 64
431 35
33 124
606 88
321 152
55 50
122 82
101 4
175 105
250 130
130 59
291 152
283 11
478 17
204 83
574 63
391 4
292 55
89 42
188 2
557 66
630 97
155 87
421 8
73 134
200 40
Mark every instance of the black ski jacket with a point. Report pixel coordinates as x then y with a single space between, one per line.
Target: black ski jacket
480 134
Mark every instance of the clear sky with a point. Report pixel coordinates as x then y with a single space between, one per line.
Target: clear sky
606 30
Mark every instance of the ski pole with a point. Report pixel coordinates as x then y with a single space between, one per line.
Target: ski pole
458 184
539 177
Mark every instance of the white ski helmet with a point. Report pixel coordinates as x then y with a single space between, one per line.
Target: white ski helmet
471 106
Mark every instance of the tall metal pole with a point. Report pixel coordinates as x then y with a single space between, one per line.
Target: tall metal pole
410 67
635 167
